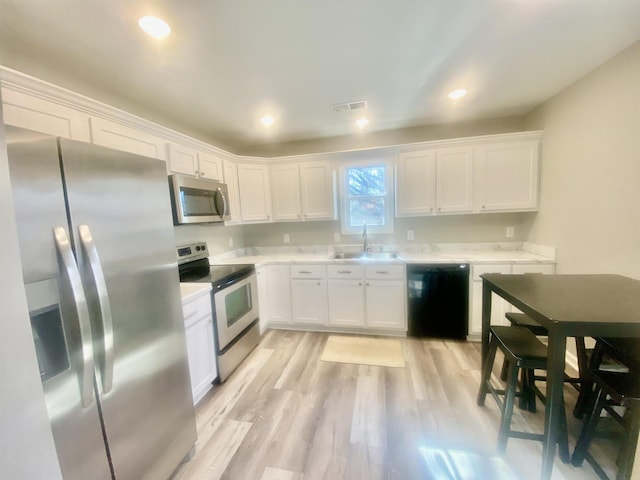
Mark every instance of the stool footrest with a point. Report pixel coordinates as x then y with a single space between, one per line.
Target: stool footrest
526 435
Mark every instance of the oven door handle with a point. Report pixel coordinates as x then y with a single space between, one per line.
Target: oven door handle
232 281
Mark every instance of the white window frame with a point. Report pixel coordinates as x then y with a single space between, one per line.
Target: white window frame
389 197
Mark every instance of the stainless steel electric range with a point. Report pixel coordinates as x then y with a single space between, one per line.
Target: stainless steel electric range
234 304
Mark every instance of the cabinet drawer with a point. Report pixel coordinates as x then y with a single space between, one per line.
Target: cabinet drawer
534 268
345 271
307 271
386 272
196 309
498 268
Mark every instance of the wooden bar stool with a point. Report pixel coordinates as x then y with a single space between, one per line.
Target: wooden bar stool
612 388
609 386
522 351
528 399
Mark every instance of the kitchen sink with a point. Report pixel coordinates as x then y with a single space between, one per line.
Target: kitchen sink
366 255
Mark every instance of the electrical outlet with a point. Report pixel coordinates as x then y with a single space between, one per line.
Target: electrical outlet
286 238
509 232
410 235
336 237
231 241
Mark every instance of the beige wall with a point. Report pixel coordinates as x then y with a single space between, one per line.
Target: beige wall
590 180
445 229
217 236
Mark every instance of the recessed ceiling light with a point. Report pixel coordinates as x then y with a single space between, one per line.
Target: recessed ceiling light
456 94
154 26
267 120
363 122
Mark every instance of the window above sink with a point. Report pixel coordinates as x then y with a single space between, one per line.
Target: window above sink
366 197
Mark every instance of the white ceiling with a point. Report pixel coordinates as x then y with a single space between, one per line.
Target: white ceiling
227 62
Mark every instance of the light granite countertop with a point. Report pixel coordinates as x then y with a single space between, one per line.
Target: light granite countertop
484 253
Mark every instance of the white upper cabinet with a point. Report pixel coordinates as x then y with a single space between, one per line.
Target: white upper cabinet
507 176
302 191
501 176
316 190
454 180
285 192
128 139
209 166
35 113
182 160
189 161
255 198
230 171
435 182
416 183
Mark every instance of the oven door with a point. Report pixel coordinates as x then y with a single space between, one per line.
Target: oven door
236 307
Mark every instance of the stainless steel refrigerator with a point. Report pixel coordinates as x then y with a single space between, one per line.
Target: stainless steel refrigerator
100 273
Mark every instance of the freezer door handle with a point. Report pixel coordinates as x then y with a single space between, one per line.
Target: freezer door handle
70 269
99 284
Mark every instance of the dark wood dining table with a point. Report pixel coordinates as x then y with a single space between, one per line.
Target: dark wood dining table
568 306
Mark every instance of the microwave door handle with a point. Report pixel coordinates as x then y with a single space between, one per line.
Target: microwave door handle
70 269
95 269
224 203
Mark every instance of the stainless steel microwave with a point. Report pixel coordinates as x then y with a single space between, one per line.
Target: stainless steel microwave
196 200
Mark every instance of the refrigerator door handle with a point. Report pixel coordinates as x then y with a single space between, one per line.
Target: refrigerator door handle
95 268
65 254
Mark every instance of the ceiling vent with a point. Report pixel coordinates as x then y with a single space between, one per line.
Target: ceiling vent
347 107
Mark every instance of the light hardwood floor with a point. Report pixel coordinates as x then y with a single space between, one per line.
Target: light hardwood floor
287 415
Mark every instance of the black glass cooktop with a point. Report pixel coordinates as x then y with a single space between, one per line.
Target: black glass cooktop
201 272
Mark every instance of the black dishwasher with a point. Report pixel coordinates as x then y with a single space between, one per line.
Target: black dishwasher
438 300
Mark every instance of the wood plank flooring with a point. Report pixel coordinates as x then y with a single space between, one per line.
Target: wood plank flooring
287 415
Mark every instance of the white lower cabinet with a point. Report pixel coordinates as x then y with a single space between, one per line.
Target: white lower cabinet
309 295
261 274
499 306
386 296
373 296
277 282
346 295
200 344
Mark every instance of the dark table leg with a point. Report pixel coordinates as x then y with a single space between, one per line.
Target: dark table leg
554 413
486 318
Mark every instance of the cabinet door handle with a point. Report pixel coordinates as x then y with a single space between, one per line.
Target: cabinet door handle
304 271
359 284
367 284
386 272
344 271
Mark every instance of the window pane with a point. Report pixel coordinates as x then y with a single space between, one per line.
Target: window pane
366 181
369 210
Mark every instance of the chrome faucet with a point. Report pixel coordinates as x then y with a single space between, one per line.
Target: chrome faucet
365 245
